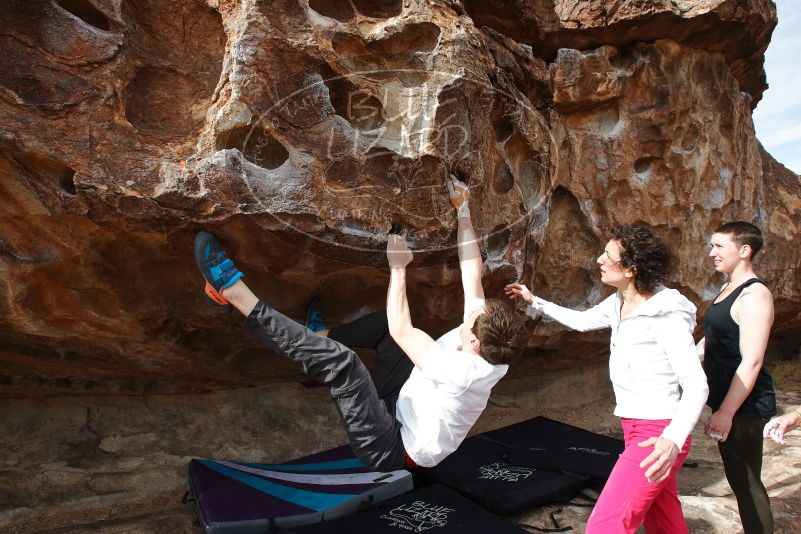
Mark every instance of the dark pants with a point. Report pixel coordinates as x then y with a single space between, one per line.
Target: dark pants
392 367
742 461
373 432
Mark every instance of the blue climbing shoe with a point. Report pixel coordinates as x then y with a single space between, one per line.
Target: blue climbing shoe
216 267
314 316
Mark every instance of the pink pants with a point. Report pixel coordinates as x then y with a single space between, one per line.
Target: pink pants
628 499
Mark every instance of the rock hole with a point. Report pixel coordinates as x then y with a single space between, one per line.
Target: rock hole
346 44
624 58
352 49
159 101
498 241
461 176
526 166
379 8
67 182
573 264
502 125
86 12
181 51
401 55
452 128
605 121
335 9
642 166
255 144
503 181
49 171
413 38
503 16
690 139
361 109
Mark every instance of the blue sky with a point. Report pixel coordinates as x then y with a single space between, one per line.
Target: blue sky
777 117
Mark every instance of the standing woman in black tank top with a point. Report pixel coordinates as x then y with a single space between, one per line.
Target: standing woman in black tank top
736 328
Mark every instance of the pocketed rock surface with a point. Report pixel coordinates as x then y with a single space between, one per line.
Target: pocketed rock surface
300 132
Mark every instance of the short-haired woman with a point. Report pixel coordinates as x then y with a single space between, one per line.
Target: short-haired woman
736 330
660 387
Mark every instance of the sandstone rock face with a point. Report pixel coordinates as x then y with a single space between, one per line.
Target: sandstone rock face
739 29
300 131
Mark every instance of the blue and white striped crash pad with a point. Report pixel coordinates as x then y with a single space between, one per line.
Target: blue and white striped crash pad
238 497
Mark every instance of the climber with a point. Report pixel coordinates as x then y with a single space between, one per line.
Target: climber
444 384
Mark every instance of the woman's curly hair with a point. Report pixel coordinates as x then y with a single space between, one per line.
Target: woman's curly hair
645 253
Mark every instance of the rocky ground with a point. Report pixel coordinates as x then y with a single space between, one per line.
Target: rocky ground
709 505
112 470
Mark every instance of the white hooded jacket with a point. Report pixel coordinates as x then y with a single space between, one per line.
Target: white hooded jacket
653 364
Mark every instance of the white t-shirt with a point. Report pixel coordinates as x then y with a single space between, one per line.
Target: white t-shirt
438 406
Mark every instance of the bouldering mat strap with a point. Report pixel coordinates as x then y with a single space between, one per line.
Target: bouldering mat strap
556 527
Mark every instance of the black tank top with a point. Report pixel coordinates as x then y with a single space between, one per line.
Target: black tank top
722 356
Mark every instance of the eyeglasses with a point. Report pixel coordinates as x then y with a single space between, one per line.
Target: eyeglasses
610 259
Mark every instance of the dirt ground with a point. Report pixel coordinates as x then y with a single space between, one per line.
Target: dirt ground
709 506
584 400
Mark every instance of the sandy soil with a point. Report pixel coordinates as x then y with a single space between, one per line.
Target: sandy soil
583 400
